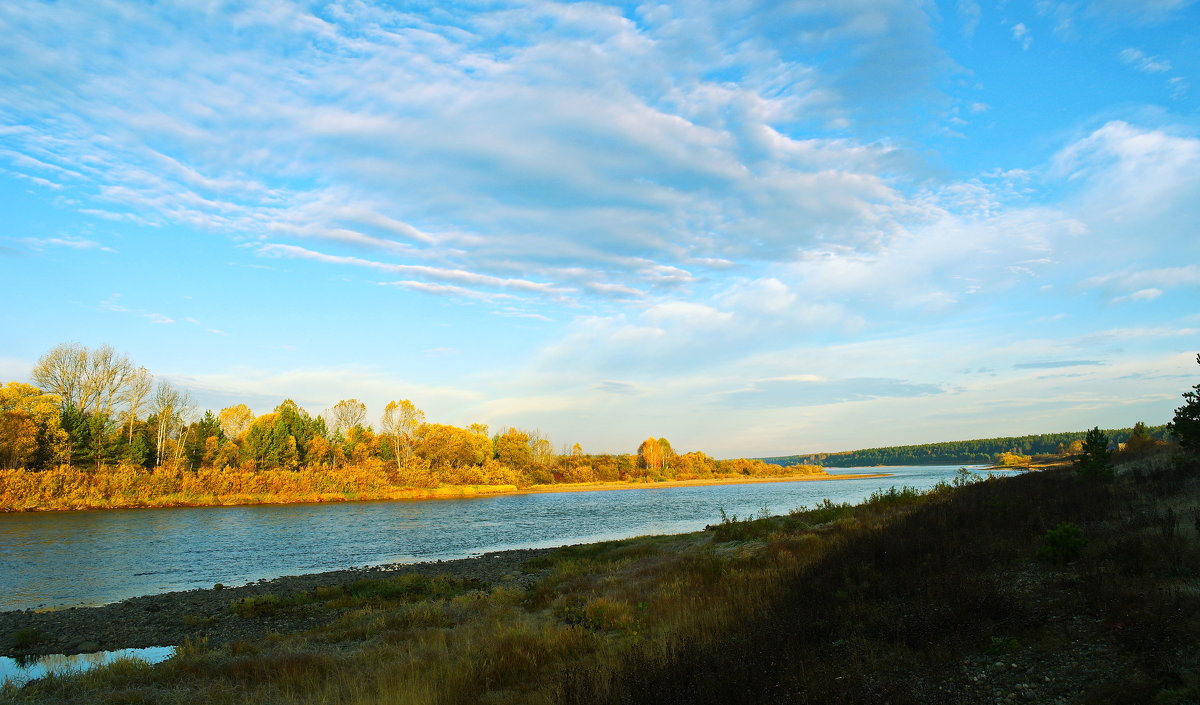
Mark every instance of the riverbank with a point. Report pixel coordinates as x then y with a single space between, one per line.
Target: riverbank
46 502
170 619
1032 588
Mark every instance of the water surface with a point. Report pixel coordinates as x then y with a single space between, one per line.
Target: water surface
20 671
56 559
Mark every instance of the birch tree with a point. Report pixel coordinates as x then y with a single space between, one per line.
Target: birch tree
400 423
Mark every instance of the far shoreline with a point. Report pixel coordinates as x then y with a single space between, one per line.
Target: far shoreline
447 492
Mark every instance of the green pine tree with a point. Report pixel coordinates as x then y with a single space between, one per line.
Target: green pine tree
1186 424
1095 462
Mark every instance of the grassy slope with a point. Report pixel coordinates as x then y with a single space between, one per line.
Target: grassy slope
950 605
904 599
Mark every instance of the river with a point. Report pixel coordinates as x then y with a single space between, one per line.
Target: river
58 559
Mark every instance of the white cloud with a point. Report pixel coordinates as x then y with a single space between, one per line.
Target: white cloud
1021 33
1133 179
74 243
1140 61
600 138
1147 284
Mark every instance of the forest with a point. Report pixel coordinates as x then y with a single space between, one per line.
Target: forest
96 430
983 451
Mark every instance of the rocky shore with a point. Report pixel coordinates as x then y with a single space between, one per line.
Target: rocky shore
169 619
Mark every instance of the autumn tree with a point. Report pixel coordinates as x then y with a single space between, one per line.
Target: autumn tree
1185 426
650 454
400 423
31 433
136 395
345 415
1139 439
450 447
92 381
512 449
235 420
172 410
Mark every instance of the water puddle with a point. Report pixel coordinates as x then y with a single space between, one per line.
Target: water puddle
24 669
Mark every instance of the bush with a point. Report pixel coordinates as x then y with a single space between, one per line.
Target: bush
1062 544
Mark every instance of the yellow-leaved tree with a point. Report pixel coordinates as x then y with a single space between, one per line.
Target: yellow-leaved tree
400 423
31 433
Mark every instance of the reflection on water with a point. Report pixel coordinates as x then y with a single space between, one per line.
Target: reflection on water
117 554
23 669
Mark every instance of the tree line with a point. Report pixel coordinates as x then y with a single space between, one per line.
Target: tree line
983 451
93 424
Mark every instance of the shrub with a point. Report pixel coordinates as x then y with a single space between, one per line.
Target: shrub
26 637
1014 459
1062 544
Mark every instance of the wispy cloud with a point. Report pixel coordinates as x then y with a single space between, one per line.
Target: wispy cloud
73 243
790 392
459 276
1142 62
1055 364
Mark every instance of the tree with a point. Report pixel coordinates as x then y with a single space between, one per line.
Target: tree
137 392
650 454
345 415
1139 439
400 423
1186 424
452 447
235 420
172 409
1095 462
512 449
31 433
91 381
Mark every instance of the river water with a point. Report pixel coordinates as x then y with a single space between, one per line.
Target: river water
57 559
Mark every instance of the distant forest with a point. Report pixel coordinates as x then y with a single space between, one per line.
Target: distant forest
984 451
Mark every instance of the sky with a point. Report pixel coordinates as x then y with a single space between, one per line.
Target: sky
753 228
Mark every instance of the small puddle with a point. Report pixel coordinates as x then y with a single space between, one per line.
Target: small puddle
21 670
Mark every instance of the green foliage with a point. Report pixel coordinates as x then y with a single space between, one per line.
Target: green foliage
733 529
824 512
1001 646
1062 544
1095 462
892 497
258 605
1185 426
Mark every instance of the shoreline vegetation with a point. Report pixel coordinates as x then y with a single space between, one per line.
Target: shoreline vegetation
69 489
971 592
99 433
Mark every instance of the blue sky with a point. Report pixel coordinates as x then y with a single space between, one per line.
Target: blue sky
752 228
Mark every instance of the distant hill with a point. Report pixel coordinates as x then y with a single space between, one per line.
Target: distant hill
977 452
